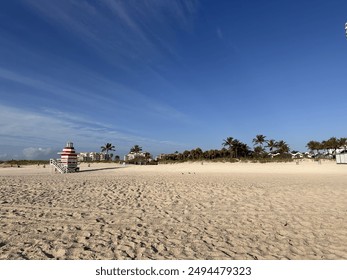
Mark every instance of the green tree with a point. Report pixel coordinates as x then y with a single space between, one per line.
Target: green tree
196 153
225 153
314 146
228 143
259 151
186 155
136 149
240 149
283 147
259 140
108 147
236 147
271 144
147 156
333 143
244 150
343 143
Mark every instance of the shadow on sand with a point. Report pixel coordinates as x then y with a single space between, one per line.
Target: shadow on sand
98 169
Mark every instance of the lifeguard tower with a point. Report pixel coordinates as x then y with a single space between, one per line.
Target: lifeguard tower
68 160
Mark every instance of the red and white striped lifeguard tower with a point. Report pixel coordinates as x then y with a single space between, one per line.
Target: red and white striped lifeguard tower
68 160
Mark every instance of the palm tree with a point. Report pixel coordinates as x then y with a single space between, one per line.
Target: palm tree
259 139
148 155
244 150
224 153
334 144
343 143
259 151
196 153
283 147
239 148
314 145
236 147
271 144
136 149
186 155
229 142
108 147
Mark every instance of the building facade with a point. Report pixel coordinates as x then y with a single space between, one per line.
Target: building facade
91 156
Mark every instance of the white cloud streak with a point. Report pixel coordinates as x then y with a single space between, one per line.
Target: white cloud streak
40 133
36 153
113 94
121 29
120 32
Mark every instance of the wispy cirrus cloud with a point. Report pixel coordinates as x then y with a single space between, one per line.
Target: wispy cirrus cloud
55 97
32 127
125 29
43 133
111 93
135 37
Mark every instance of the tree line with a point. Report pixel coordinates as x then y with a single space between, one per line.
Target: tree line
234 149
324 147
263 149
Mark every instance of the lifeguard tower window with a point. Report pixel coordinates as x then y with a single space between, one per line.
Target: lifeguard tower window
69 145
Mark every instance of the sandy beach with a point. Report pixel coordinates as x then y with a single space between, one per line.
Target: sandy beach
175 211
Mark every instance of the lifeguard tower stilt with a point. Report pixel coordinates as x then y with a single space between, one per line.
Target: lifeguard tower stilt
68 160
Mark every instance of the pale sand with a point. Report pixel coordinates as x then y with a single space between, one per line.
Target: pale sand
211 211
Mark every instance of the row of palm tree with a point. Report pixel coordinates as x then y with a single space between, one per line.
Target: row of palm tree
272 146
196 154
239 149
332 144
235 149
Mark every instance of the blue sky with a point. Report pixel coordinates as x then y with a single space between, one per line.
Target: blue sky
169 75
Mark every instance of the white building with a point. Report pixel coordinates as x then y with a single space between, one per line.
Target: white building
297 155
91 156
341 157
133 155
